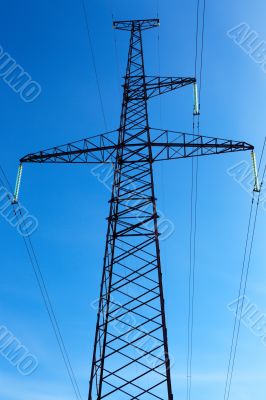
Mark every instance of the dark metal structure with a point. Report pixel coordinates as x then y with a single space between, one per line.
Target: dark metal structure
130 356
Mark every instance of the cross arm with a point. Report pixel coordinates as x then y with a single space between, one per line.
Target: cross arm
166 145
95 149
170 145
155 85
142 24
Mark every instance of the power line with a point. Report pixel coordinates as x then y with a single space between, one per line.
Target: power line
262 152
196 40
157 8
192 266
93 61
5 177
242 287
43 289
118 65
201 61
202 49
193 205
159 74
233 341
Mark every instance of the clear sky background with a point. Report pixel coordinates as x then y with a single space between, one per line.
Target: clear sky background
48 38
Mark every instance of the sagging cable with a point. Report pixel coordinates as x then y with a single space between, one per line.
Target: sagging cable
196 99
18 182
255 171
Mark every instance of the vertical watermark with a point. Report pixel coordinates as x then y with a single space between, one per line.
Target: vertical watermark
20 81
242 173
249 41
250 316
18 355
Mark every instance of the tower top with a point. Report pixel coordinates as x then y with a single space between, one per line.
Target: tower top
142 24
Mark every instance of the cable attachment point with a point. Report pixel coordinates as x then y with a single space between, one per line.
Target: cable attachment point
255 171
17 187
196 99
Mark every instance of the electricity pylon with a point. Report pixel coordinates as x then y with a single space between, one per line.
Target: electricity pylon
130 356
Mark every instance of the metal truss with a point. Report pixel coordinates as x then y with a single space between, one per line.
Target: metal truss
130 356
141 24
166 145
155 86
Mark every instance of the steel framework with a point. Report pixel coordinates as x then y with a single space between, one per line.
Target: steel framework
130 356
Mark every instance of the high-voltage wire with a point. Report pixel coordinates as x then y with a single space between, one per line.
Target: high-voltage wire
118 65
201 53
199 37
43 289
159 62
93 60
261 156
252 222
157 8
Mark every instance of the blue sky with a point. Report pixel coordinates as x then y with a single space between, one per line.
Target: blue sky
48 39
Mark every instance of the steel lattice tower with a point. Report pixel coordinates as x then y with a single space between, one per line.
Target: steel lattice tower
132 278
130 356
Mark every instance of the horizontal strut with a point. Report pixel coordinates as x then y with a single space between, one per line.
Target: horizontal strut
167 145
155 86
141 24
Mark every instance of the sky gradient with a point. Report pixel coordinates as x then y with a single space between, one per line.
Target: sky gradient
48 39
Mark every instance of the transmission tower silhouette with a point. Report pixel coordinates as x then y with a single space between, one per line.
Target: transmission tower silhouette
130 355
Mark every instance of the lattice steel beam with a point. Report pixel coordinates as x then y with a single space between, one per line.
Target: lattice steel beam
166 145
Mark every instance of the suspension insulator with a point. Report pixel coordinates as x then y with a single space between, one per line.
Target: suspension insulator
255 171
18 182
196 99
